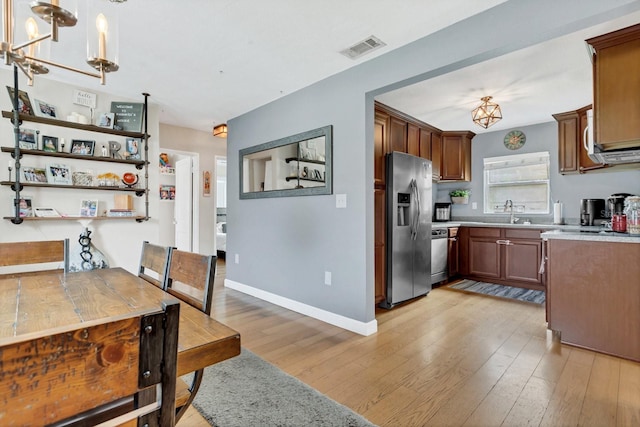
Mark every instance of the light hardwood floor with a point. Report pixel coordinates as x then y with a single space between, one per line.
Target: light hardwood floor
448 359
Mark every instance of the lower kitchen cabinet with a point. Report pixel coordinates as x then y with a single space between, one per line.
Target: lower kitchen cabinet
593 295
509 256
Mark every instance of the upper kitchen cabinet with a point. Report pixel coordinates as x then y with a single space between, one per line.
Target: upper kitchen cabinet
572 155
616 84
455 162
380 130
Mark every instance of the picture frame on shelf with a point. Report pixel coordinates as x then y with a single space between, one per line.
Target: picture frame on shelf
89 208
25 206
58 174
105 120
83 147
133 148
28 139
167 192
128 115
50 143
24 103
82 178
45 212
42 109
34 174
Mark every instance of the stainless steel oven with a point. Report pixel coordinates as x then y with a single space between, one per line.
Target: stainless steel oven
439 254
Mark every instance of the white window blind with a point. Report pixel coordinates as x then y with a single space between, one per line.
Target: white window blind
521 178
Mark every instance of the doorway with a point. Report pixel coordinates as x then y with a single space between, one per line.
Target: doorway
179 212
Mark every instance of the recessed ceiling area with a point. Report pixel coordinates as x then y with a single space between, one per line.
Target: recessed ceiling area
529 85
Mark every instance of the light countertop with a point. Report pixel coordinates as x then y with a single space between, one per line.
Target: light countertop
553 231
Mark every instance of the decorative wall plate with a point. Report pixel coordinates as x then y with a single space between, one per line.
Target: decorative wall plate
514 139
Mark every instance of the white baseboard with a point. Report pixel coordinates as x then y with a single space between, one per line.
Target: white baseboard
323 315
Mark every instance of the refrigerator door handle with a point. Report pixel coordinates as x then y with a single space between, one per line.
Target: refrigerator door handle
416 209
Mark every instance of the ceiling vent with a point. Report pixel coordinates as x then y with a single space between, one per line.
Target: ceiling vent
365 46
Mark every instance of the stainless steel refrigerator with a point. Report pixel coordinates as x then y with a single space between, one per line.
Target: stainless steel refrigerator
408 195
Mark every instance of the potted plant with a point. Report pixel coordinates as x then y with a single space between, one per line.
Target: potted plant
460 196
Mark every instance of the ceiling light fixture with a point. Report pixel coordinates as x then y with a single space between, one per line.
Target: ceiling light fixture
487 113
56 16
220 130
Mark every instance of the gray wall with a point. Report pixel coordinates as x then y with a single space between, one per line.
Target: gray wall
286 244
569 189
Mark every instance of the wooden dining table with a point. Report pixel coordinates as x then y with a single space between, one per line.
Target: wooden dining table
41 301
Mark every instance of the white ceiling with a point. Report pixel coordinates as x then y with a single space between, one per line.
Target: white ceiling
207 61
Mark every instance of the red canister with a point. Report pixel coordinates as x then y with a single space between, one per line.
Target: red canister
619 223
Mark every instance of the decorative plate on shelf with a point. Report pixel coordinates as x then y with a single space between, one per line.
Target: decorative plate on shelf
514 139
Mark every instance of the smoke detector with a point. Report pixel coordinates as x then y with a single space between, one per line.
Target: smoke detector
367 45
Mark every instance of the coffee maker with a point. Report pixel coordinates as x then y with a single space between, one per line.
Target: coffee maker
592 212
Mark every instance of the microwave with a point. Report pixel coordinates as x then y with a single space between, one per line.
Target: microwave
611 157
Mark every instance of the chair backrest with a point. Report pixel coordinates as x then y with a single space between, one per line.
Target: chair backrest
115 370
36 252
191 277
154 259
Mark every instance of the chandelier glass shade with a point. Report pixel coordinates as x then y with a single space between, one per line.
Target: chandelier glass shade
487 113
25 21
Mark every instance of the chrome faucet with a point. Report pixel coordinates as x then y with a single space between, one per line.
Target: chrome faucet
509 205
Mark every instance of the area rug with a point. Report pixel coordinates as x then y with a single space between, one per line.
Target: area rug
521 294
247 391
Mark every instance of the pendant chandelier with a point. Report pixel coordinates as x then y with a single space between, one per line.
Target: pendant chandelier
28 56
487 113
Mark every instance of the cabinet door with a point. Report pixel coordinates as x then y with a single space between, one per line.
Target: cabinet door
567 142
484 252
522 261
380 130
436 155
456 157
413 139
380 255
425 144
616 88
397 135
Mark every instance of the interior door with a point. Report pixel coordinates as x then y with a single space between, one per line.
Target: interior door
183 206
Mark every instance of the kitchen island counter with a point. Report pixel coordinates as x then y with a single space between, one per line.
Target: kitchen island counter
592 234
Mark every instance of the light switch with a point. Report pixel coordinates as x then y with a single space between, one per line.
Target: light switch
341 200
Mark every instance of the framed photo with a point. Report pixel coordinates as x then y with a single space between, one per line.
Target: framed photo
167 192
105 120
58 174
82 178
206 184
82 147
24 207
42 109
24 103
32 174
50 143
28 139
133 148
89 208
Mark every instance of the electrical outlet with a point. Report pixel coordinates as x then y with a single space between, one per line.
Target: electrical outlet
327 278
237 258
474 205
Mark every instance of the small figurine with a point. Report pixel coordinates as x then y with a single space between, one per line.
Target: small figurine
164 160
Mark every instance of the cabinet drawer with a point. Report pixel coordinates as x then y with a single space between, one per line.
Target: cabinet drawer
484 232
453 232
519 233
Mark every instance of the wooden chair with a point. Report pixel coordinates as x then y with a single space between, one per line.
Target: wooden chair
36 252
97 371
190 278
154 259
